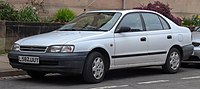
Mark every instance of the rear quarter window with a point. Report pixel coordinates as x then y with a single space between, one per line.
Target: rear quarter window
164 23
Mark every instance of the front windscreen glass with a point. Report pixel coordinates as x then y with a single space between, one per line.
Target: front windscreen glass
95 21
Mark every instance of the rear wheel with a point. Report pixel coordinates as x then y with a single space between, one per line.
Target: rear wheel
36 74
94 70
173 61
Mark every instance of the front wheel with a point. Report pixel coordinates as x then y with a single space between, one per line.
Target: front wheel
173 61
94 69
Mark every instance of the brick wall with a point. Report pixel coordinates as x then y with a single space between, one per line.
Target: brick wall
2 36
180 7
12 31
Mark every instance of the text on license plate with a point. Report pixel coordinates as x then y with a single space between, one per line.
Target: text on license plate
29 59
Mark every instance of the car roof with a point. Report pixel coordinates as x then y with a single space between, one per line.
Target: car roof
123 11
136 10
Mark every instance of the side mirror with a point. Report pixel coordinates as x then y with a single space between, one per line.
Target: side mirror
123 29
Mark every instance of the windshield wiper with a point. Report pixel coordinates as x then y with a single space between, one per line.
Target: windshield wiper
83 29
93 30
69 29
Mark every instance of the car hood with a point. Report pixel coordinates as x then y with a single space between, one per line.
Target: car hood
55 38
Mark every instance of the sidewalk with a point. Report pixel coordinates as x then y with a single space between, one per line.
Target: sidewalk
6 69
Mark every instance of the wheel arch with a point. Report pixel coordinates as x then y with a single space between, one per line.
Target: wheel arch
179 48
104 53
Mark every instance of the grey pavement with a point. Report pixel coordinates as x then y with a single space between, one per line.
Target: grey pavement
6 69
130 78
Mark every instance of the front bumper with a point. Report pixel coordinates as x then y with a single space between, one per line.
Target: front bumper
195 58
196 52
51 62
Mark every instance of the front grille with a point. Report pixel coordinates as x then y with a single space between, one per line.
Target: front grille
33 48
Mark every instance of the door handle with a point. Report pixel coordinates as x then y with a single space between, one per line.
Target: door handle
169 37
143 39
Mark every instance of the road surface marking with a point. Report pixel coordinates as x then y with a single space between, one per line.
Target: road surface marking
110 87
150 82
14 77
24 76
194 77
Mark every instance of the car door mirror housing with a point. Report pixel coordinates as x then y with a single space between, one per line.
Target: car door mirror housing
123 29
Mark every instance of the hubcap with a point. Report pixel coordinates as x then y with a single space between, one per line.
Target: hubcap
174 60
98 68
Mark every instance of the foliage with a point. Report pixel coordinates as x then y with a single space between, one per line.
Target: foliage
30 13
64 15
161 8
2 52
38 5
46 19
193 21
7 12
27 14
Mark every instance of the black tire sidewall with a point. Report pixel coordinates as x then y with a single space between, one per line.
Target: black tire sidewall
167 68
87 72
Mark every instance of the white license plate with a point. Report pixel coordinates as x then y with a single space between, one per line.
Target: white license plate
29 59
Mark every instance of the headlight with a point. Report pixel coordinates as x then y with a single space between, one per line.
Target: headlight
56 49
15 47
67 49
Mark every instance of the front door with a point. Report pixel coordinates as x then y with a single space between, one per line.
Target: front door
131 47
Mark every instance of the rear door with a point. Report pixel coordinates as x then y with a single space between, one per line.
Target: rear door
159 36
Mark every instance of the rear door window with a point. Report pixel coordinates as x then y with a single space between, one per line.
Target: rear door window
152 22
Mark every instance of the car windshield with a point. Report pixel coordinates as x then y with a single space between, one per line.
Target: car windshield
197 29
95 21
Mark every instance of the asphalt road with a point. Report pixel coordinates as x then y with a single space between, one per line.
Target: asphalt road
131 78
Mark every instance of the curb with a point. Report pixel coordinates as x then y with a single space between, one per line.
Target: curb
7 70
12 73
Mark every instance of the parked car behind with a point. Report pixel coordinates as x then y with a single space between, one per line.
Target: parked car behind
195 58
98 41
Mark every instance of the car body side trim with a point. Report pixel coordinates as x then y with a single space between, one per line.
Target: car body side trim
142 54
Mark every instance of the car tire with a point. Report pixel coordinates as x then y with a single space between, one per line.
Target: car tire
36 74
94 69
173 61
